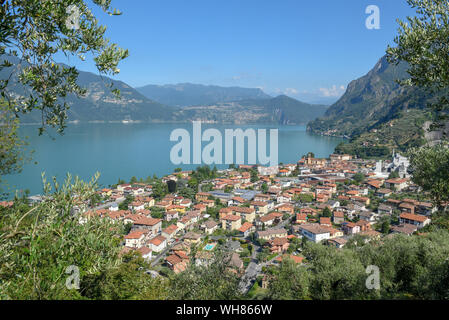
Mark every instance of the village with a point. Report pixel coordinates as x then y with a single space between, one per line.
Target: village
260 215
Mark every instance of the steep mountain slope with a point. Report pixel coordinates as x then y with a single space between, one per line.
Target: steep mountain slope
368 100
99 104
377 113
188 94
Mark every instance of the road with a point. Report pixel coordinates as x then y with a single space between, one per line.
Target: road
254 267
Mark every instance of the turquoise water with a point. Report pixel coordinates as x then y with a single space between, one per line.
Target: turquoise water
120 150
209 246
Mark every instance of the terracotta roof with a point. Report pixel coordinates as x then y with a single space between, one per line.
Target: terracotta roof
232 217
135 235
170 229
296 259
157 240
414 217
245 227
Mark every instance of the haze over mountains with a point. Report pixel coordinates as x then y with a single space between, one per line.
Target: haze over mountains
171 103
189 94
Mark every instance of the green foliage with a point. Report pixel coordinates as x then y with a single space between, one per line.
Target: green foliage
359 177
305 198
35 32
289 282
39 243
157 213
124 204
430 167
11 145
420 43
214 282
326 212
254 175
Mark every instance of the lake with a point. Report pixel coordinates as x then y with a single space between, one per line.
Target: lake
120 150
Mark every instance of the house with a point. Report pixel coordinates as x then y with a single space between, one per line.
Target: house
404 228
210 226
397 184
364 225
261 207
340 157
337 242
144 223
170 215
192 238
324 221
383 193
113 207
200 196
350 228
246 229
271 233
231 222
296 259
415 219
158 243
170 231
278 245
384 209
146 253
177 261
135 239
262 197
286 208
314 232
284 198
425 208
369 216
248 214
338 217
309 211
236 201
301 218
270 219
407 207
136 205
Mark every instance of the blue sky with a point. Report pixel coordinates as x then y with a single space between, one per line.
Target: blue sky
309 50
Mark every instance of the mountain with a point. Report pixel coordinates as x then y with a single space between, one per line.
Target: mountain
376 113
224 105
280 110
188 94
99 104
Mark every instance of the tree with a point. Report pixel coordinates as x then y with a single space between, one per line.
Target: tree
178 169
11 145
39 243
214 281
422 44
385 227
430 167
32 33
327 212
254 175
359 177
264 187
289 282
393 175
305 198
